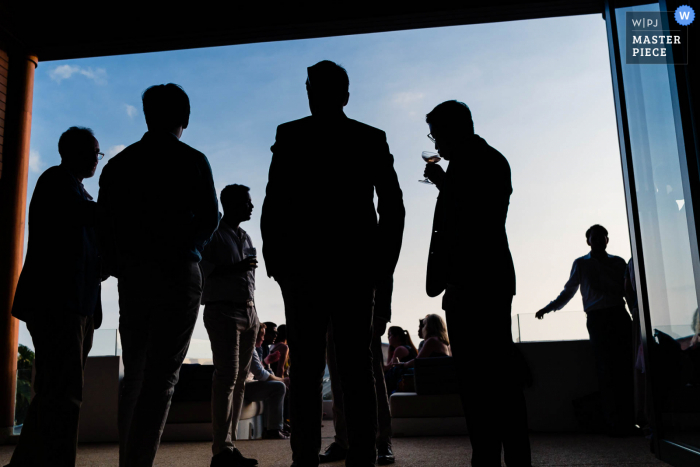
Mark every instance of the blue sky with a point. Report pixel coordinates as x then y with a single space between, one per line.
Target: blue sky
539 91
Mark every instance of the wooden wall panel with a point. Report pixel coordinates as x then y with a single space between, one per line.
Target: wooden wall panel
3 100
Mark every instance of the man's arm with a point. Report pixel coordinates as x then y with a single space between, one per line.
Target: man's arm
206 205
570 289
271 211
258 371
391 212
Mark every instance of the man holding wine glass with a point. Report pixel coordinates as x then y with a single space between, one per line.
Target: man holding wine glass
470 260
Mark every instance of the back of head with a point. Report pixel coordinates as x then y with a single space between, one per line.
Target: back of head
453 117
403 336
435 327
281 333
75 143
77 147
166 107
597 228
328 85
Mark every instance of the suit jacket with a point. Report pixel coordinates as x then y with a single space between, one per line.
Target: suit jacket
159 201
469 246
319 219
61 272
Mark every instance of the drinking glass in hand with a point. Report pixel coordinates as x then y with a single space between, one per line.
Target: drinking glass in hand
430 158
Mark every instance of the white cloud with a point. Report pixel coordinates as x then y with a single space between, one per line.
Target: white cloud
35 162
62 72
114 150
407 97
130 110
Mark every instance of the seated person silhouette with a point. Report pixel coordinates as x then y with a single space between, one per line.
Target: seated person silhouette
264 349
436 343
58 296
261 385
401 348
601 277
279 366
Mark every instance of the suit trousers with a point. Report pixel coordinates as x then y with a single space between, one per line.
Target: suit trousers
347 304
232 331
612 340
158 308
492 395
49 436
384 432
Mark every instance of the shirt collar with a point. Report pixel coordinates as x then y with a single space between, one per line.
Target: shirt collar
153 134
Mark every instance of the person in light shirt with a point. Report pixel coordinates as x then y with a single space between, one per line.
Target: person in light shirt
601 278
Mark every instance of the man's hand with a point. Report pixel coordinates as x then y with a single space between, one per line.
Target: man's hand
248 264
540 314
435 173
273 357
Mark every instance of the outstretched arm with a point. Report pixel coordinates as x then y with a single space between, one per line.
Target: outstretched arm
566 295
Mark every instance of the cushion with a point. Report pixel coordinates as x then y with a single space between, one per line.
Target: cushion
412 405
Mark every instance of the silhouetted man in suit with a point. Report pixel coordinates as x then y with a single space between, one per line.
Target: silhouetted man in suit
58 296
470 260
338 449
324 173
601 277
161 205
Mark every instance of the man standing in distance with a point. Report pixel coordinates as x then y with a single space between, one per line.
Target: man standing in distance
228 266
159 198
58 296
324 173
601 277
470 260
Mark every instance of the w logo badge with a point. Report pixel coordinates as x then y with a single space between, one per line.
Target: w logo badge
684 15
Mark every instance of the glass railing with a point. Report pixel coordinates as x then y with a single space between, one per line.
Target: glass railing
105 343
557 326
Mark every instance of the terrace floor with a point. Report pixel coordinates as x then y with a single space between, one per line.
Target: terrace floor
547 449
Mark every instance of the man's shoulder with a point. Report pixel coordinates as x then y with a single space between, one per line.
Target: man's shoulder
55 178
295 125
365 129
53 174
617 260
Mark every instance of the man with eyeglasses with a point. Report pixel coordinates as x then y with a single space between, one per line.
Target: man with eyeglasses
58 296
470 261
324 173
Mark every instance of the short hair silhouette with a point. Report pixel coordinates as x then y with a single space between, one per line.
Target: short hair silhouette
166 106
232 194
595 227
270 324
328 79
75 139
453 115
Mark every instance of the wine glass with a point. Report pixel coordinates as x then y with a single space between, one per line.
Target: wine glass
430 158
